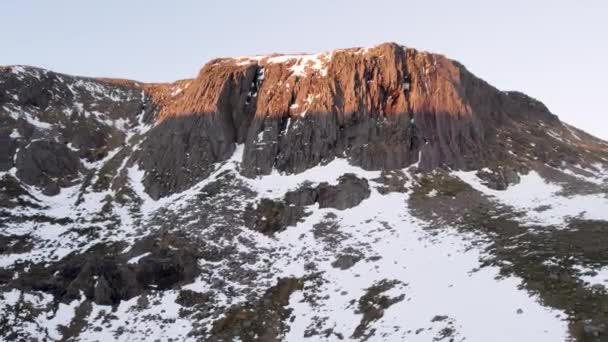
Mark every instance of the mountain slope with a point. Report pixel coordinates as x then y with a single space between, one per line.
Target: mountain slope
359 194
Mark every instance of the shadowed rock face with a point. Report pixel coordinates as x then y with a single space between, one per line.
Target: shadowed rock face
47 164
180 152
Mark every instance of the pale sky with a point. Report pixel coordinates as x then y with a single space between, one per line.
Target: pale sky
553 50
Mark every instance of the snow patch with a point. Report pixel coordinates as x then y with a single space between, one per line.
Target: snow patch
300 64
136 259
436 277
593 277
540 200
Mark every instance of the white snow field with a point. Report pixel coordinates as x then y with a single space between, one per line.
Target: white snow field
438 287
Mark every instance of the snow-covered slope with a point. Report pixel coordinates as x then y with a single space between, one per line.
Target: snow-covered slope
371 271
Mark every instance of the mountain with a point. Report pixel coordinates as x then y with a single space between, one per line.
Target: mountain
368 194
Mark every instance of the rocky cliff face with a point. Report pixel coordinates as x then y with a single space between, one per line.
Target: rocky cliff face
183 203
383 108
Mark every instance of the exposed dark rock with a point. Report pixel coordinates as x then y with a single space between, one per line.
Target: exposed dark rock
166 267
347 259
271 216
500 178
439 318
51 121
445 334
104 275
112 283
383 109
36 96
8 217
8 146
179 152
13 194
6 275
14 244
305 195
263 320
392 181
51 189
329 232
47 164
189 298
199 129
349 192
372 305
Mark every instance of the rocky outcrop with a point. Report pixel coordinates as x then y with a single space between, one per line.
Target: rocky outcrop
180 152
56 126
263 320
13 194
499 179
372 305
105 275
348 193
199 127
271 216
8 146
48 165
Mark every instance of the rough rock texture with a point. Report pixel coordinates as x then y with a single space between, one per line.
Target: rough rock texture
180 152
385 108
52 124
260 321
372 306
47 164
271 216
106 276
348 193
13 194
499 179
